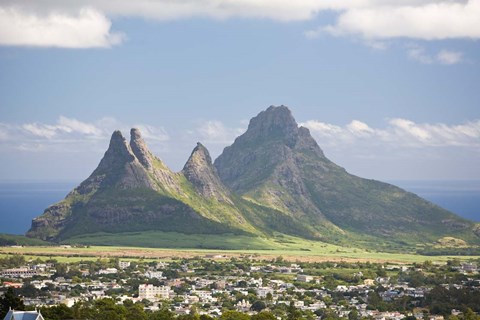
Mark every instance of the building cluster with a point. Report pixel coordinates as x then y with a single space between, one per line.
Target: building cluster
212 286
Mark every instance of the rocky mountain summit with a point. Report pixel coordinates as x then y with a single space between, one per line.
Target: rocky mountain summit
274 179
200 171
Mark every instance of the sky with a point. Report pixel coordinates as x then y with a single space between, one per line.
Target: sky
389 89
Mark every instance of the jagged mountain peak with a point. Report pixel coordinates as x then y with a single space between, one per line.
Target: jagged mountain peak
270 140
200 153
118 147
276 121
117 154
279 181
140 149
200 171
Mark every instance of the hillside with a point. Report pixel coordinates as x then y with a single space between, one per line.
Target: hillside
274 179
278 164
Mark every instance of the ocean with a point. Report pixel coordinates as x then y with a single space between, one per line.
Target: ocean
21 201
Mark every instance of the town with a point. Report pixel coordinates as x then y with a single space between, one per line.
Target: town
244 287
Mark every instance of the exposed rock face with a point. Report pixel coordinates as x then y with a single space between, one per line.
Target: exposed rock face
140 149
280 165
164 177
273 178
275 123
118 168
200 171
262 163
132 190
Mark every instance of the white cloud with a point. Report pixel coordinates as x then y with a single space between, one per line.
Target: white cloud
402 148
215 132
399 133
87 24
40 130
73 125
152 133
449 57
88 28
281 10
3 132
71 135
359 128
446 57
63 125
418 54
410 129
430 21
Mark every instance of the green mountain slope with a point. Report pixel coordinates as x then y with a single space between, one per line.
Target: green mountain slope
277 164
274 179
132 190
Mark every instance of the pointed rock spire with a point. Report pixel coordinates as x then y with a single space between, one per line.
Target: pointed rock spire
118 167
275 122
164 176
200 171
140 149
117 154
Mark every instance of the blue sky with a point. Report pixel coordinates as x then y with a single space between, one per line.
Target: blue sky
389 89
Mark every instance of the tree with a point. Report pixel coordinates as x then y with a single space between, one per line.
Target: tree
28 290
10 301
234 315
135 311
264 315
107 309
58 312
353 315
293 313
162 314
470 315
269 297
258 306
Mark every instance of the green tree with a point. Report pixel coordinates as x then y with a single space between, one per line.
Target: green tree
107 309
258 305
293 313
135 311
58 312
353 315
10 300
264 315
470 315
234 315
162 314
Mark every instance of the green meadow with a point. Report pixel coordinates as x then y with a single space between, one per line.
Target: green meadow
168 245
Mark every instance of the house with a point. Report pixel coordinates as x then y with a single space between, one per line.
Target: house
18 273
469 267
304 278
151 292
23 315
108 271
154 274
369 282
263 292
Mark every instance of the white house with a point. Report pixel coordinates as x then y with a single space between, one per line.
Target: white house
151 292
23 315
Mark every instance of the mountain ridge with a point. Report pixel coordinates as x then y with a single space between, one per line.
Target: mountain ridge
273 179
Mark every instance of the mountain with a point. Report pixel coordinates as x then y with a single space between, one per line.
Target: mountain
278 164
132 190
274 179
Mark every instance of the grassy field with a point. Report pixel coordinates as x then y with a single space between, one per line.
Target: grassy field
290 248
